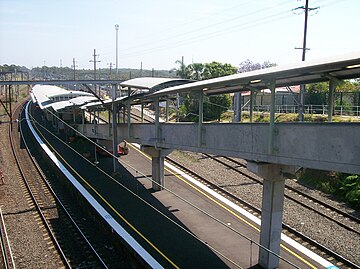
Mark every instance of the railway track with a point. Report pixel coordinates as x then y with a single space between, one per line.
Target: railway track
7 260
55 217
315 246
325 210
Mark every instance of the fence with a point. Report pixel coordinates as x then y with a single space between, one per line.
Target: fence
309 109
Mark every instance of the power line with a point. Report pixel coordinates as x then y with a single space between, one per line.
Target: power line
306 10
207 26
74 68
110 64
95 61
228 30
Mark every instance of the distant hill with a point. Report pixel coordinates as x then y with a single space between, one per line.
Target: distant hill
124 73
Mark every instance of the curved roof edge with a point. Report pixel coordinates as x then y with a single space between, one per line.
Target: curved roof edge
153 83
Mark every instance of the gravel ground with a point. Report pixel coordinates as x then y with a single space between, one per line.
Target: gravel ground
311 224
20 217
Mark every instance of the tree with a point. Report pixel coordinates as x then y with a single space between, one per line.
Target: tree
316 93
196 71
215 105
183 71
216 69
249 65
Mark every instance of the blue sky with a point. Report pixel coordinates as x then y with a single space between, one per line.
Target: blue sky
159 32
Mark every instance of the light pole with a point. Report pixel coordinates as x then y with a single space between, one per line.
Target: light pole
117 37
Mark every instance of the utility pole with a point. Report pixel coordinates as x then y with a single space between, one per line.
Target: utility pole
306 10
141 69
117 39
44 71
74 69
61 69
110 64
95 61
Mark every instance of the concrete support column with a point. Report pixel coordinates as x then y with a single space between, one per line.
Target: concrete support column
271 221
201 117
237 108
332 87
167 111
272 87
271 211
157 119
142 112
82 120
157 164
114 128
129 115
251 104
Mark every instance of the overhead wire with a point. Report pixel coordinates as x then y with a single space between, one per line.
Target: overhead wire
147 203
170 191
177 35
213 34
207 36
235 28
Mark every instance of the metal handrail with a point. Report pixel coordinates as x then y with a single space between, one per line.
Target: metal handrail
5 242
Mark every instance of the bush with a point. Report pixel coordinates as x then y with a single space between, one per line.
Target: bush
350 189
344 186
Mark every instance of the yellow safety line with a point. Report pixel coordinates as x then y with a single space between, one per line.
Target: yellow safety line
117 213
226 208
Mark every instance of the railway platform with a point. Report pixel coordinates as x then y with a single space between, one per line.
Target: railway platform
184 226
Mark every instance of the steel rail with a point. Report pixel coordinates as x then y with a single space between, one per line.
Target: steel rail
339 211
305 238
38 207
289 197
59 202
5 244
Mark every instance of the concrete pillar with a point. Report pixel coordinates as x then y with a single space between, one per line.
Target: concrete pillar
157 119
271 211
129 115
201 117
167 111
332 87
251 105
271 221
237 107
142 112
272 87
114 128
157 164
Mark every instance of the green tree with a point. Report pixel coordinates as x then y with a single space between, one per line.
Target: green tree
249 65
216 105
196 71
316 93
216 69
183 71
346 86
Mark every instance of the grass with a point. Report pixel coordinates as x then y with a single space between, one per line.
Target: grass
23 94
286 117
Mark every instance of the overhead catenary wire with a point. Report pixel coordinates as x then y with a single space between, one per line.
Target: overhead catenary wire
175 194
148 204
213 34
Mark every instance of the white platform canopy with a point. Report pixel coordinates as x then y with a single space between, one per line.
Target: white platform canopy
341 67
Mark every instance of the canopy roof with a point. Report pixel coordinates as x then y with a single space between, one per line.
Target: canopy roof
46 95
153 84
343 67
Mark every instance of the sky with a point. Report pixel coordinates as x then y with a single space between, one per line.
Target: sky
157 33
